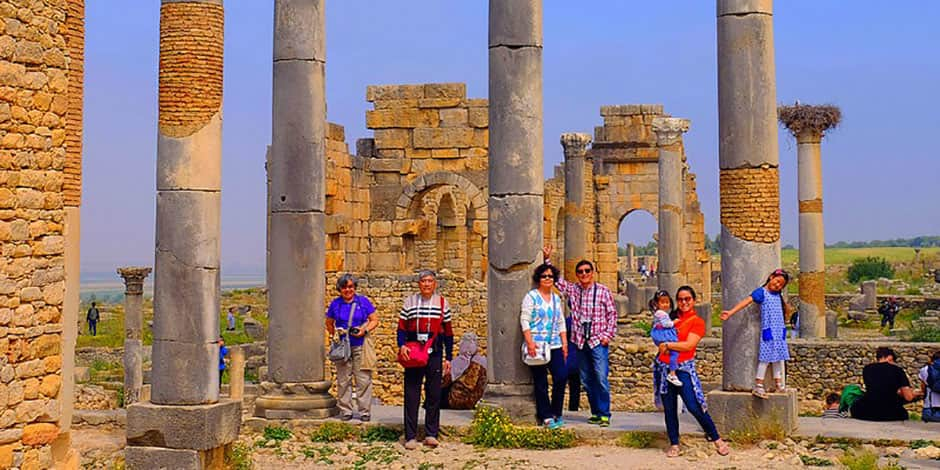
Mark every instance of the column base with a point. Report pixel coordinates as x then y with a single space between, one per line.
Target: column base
310 400
180 436
743 412
516 399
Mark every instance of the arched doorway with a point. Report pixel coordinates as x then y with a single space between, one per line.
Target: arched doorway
636 247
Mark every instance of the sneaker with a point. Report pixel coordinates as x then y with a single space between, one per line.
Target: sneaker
560 421
345 417
673 380
411 444
431 442
605 422
594 420
548 422
555 423
365 419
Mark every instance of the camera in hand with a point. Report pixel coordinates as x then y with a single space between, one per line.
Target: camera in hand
354 331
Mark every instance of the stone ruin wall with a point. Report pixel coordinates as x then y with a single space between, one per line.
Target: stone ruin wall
40 174
622 168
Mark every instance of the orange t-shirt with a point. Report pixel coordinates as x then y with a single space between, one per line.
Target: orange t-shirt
685 324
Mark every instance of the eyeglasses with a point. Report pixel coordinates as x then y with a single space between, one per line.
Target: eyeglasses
547 276
584 271
683 299
350 286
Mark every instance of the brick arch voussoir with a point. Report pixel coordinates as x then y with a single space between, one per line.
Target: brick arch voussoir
441 178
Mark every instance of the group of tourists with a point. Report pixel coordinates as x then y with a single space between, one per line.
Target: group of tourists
557 345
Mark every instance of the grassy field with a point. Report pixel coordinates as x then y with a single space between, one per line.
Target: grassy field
846 255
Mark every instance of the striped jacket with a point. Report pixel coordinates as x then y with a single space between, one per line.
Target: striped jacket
420 315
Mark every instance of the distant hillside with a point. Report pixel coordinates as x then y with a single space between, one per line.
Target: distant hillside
916 242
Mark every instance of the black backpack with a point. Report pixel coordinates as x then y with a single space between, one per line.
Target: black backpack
933 376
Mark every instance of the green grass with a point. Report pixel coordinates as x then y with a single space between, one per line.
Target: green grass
835 256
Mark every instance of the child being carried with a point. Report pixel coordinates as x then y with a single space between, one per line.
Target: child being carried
664 330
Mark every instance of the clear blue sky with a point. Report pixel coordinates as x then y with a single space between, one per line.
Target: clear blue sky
878 60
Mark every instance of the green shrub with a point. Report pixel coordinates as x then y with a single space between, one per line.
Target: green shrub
860 460
758 428
870 267
811 461
921 443
637 439
331 431
921 333
321 454
277 433
380 434
491 427
238 457
644 326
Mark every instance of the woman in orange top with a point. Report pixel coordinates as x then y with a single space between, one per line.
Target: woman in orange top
690 329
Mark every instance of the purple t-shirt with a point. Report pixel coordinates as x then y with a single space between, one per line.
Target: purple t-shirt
339 312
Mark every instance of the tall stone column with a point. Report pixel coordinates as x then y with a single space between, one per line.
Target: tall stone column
133 331
515 190
750 203
295 386
809 124
186 271
576 227
668 138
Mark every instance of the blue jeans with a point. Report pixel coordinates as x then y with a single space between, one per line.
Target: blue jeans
671 407
594 367
931 415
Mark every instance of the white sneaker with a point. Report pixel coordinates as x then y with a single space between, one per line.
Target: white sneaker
673 380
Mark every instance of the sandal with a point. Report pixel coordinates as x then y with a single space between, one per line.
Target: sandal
722 447
673 451
759 392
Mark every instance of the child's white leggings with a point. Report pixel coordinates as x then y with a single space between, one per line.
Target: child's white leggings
762 370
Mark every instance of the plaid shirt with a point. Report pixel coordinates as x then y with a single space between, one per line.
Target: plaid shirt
594 304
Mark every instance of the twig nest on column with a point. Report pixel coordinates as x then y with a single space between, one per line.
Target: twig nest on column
799 118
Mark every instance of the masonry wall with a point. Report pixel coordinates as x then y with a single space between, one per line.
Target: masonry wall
34 122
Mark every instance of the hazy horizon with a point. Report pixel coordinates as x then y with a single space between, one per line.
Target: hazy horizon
878 64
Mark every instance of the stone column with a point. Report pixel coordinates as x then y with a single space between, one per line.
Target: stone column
631 257
750 203
133 331
186 271
295 386
236 382
515 190
808 124
576 227
668 138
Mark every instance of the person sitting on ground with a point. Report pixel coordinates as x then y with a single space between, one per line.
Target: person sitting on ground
887 390
463 387
832 407
929 376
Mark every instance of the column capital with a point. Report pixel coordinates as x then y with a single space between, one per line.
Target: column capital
669 130
134 278
809 123
575 144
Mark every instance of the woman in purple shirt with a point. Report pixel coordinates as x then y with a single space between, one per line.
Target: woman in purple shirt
364 321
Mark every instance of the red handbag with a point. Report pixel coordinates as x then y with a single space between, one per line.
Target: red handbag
418 353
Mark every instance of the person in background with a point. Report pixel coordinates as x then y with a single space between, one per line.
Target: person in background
887 390
93 316
223 351
463 387
231 319
888 310
929 376
832 407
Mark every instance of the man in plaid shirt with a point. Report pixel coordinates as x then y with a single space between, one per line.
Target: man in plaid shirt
593 326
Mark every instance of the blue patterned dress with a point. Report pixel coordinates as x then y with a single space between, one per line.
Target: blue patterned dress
773 344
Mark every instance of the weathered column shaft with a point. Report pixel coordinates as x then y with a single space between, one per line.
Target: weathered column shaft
749 179
236 384
668 139
296 200
576 227
812 244
133 331
189 159
515 184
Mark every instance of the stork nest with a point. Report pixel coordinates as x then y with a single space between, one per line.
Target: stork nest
799 118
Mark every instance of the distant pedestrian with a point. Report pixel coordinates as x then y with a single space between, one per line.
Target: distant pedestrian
888 310
773 344
231 319
93 316
223 351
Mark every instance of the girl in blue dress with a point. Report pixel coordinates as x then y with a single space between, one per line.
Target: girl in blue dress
773 344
